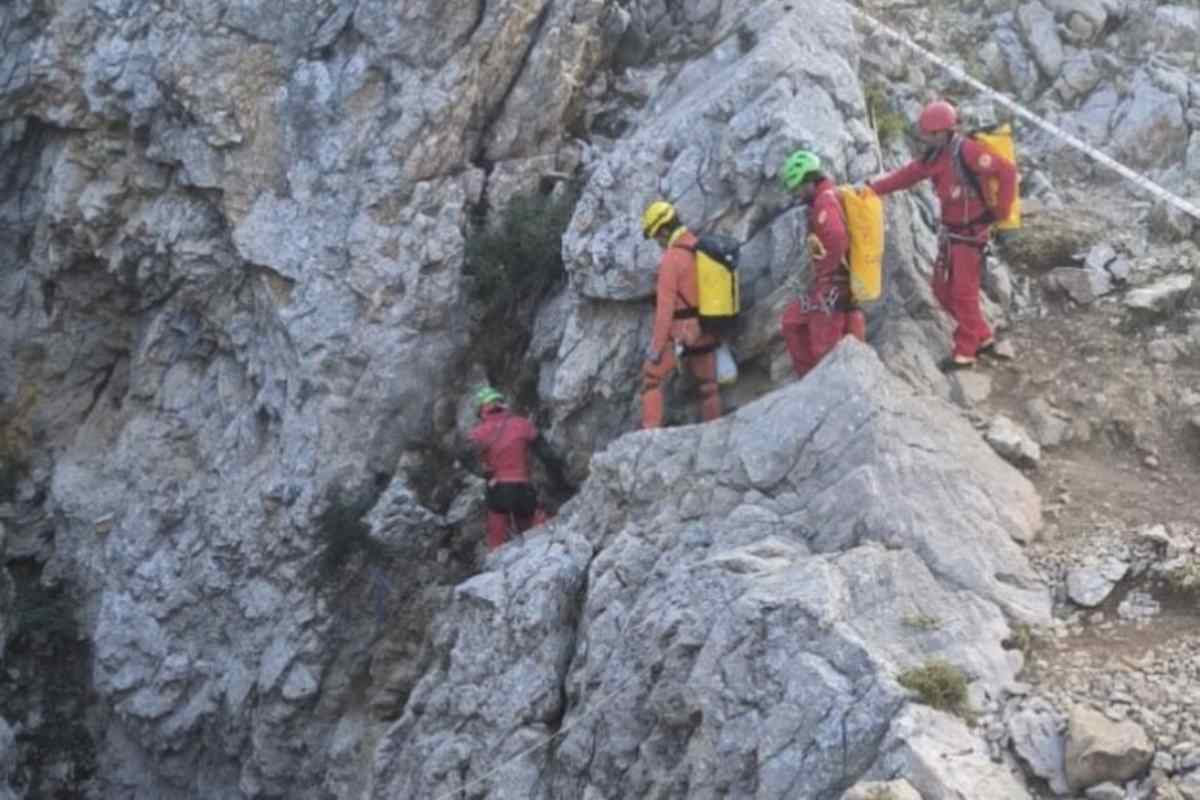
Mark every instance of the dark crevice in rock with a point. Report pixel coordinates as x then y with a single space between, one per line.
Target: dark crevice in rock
477 23
105 374
492 114
45 689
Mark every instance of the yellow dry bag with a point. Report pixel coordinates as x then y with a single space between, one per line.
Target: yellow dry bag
863 212
717 283
999 140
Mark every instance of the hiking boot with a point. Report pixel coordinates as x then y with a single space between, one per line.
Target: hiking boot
955 363
1001 351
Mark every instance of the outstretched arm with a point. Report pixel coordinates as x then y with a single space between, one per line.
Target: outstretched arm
902 178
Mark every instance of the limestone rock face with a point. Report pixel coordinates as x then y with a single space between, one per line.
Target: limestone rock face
722 610
710 138
233 278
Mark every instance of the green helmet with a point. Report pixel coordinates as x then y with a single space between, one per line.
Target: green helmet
799 167
486 396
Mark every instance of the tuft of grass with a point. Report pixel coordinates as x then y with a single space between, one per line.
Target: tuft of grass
938 684
1185 578
890 125
1023 638
922 622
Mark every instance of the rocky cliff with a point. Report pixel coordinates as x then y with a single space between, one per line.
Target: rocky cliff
239 301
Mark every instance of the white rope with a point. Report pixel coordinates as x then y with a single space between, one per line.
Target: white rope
1029 116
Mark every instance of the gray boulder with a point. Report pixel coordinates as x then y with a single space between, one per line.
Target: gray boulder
765 561
1038 28
938 755
1049 427
1084 286
1160 296
1037 738
1083 20
1009 64
1080 74
1176 26
1089 585
1012 442
1099 749
1149 129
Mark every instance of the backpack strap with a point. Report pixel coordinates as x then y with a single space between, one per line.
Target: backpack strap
691 310
845 265
967 175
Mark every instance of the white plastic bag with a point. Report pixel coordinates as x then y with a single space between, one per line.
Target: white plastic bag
727 371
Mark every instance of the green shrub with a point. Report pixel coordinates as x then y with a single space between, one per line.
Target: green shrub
922 622
51 617
938 684
1185 577
889 125
519 254
1023 639
515 261
343 532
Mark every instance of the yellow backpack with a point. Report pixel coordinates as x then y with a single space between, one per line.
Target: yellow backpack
998 140
719 300
863 212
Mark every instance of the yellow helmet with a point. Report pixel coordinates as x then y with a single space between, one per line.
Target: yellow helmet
656 215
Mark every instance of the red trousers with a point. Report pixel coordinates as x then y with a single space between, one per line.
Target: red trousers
501 527
809 335
703 367
956 278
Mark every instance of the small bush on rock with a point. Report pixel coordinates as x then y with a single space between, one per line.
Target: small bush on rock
938 684
890 126
520 252
922 622
1185 577
515 262
343 532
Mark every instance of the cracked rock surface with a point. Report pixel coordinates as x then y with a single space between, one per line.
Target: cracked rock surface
724 610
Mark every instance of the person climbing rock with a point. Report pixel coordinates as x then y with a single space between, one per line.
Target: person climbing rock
813 324
503 440
676 325
957 165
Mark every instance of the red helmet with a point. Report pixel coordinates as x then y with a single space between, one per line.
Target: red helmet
936 117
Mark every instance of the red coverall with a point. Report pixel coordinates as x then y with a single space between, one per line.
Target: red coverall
965 229
503 439
676 300
812 326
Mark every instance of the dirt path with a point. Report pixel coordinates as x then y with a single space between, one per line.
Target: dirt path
1130 461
